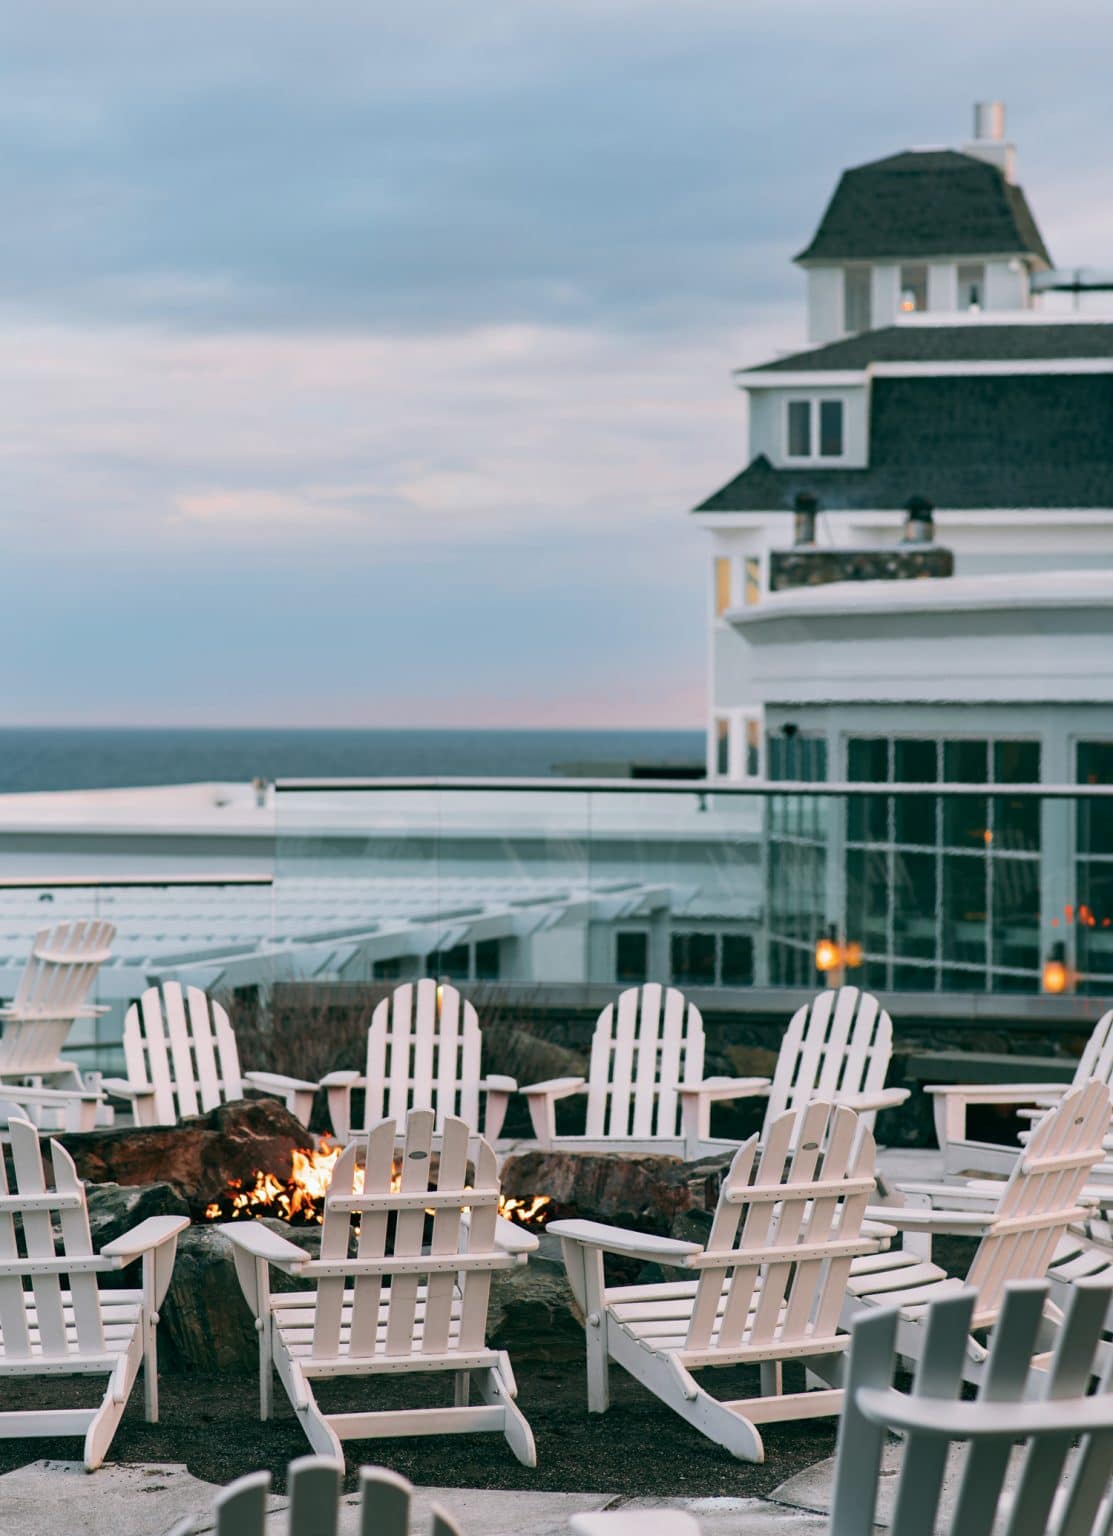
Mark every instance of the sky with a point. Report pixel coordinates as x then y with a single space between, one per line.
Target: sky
359 364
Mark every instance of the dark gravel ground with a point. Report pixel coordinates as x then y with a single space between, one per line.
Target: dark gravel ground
638 1448
211 1424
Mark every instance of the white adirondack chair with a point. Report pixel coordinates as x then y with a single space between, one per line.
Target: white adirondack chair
423 1052
836 1047
1020 1233
646 1083
313 1490
645 1086
1047 1410
768 1287
951 1101
398 1305
52 993
182 1059
48 1328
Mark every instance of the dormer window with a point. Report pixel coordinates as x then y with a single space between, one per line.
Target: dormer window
913 288
815 429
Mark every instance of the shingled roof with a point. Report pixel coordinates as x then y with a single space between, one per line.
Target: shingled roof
980 343
924 203
963 441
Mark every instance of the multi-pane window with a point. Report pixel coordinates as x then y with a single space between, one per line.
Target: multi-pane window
710 958
815 429
913 288
752 727
723 584
799 429
631 956
752 590
722 746
1091 914
943 892
830 429
856 300
465 962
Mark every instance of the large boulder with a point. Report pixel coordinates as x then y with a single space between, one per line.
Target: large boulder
115 1208
532 1311
646 1190
200 1156
205 1320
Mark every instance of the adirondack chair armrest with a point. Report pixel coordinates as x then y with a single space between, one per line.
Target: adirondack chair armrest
17 1093
347 1079
261 1243
999 1093
512 1238
295 1092
495 1082
881 1098
628 1245
557 1087
279 1082
120 1088
716 1088
148 1235
938 1222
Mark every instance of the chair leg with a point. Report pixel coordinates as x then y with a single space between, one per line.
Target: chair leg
494 1389
463 1389
772 1378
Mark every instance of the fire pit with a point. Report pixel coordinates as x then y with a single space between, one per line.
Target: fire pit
300 1199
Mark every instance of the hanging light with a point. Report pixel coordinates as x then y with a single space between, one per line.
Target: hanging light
828 956
852 954
1056 976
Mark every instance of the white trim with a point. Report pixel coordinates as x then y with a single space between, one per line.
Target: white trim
989 517
799 379
954 594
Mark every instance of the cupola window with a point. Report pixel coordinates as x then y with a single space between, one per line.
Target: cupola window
913 288
971 286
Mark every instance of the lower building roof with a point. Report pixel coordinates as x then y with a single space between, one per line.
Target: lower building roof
962 441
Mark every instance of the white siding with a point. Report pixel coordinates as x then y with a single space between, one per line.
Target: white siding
885 295
825 304
942 286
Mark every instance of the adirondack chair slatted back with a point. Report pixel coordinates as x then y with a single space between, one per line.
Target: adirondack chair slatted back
423 1052
405 1294
641 1053
1097 1059
314 1488
182 1046
787 1225
839 1043
52 991
1011 1404
1041 1196
65 1321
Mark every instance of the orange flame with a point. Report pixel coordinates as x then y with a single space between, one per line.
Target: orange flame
301 1198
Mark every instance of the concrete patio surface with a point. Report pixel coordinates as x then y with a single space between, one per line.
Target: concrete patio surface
59 1498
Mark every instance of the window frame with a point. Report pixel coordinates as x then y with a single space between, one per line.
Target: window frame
857 271
815 404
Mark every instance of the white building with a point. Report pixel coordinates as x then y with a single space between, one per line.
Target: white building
944 426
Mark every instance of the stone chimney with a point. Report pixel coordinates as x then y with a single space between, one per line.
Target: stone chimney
804 516
919 525
989 142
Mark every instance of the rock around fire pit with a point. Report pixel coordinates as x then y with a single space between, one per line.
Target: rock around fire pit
189 1168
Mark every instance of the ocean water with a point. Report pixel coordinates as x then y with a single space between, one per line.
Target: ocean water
35 759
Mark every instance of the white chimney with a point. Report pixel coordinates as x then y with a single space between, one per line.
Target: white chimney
989 142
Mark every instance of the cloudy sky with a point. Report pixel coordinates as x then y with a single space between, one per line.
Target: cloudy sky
358 363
